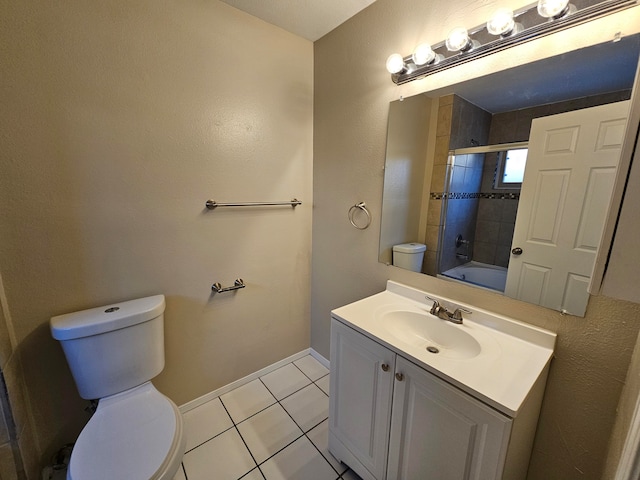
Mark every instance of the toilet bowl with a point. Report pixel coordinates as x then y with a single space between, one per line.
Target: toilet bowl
134 434
113 352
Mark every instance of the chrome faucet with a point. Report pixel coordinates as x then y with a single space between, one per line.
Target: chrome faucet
441 312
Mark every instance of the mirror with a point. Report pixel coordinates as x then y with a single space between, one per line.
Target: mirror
451 154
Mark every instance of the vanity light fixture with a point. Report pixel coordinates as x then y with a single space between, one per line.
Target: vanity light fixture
554 9
510 27
503 23
424 55
459 40
395 64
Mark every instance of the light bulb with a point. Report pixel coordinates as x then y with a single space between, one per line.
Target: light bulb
553 8
458 40
501 23
423 54
395 63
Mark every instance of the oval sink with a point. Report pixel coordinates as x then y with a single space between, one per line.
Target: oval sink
422 331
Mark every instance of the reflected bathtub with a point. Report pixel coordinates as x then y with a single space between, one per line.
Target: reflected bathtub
479 274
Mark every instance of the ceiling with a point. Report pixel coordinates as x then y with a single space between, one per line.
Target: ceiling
310 19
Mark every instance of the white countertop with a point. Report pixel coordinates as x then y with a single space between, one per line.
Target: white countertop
513 354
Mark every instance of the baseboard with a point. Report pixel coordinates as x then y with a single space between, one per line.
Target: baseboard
319 357
249 378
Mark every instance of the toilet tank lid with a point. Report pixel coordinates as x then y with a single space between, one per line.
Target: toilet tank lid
105 319
410 247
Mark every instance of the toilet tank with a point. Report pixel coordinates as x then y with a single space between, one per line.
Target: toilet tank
113 348
409 256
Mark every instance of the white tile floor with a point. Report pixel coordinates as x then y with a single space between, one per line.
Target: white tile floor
273 428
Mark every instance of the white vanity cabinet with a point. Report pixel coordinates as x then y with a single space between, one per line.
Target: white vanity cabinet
417 397
437 431
390 419
361 386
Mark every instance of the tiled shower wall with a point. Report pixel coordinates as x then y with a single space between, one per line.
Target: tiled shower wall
462 207
460 124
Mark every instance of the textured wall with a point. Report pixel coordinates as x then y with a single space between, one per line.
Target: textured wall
119 119
405 171
352 95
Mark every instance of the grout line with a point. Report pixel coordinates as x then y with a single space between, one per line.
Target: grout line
209 439
303 433
320 452
302 371
241 438
287 445
217 434
256 468
253 414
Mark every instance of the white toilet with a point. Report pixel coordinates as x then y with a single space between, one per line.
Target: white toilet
136 432
409 256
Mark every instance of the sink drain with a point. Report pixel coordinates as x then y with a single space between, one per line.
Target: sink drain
432 349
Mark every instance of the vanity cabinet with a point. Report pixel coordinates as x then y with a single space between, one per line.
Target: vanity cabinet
361 386
391 419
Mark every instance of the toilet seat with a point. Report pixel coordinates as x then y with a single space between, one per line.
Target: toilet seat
135 435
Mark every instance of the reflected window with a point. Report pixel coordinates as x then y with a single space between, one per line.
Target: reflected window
510 168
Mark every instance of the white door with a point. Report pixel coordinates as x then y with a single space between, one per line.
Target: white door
361 385
563 205
439 432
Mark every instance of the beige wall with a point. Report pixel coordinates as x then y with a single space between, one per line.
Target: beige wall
626 410
119 119
352 94
405 171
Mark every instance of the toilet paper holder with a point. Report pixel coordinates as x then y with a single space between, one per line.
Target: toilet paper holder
238 284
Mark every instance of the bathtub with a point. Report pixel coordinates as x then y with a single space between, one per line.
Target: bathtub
491 277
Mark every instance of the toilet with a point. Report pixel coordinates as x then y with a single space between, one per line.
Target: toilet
409 256
114 351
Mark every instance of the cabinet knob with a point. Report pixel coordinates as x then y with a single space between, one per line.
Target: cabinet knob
399 377
385 367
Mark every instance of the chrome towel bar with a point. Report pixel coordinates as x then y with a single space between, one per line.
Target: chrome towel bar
211 204
239 283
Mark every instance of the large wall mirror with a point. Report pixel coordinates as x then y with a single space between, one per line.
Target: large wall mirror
504 182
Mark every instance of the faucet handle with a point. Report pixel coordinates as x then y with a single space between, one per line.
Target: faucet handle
435 308
457 313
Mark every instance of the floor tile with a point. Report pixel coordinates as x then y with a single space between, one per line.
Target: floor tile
319 436
311 367
299 461
247 400
268 431
323 383
179 474
350 475
253 475
285 380
308 407
224 457
205 422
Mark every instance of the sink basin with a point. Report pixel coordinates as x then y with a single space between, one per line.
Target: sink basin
496 359
423 330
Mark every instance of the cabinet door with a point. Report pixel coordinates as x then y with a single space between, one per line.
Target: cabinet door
439 432
361 386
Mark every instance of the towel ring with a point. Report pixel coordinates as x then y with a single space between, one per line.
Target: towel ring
352 211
